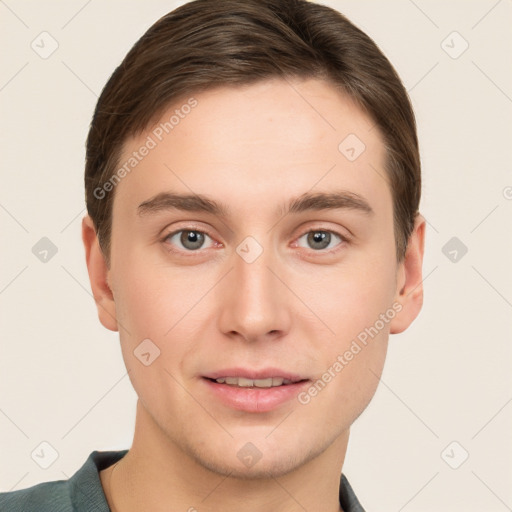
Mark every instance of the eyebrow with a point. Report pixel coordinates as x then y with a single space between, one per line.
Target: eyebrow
338 200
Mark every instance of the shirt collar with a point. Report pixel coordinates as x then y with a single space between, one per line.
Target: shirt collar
85 484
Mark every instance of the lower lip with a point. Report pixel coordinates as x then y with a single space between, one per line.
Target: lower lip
255 399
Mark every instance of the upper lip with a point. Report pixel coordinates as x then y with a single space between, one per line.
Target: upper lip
248 373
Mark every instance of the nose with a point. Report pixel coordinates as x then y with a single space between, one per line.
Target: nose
254 300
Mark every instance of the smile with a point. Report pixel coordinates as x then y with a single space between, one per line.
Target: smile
243 382
254 391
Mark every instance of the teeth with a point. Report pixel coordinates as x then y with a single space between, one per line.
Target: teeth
242 382
258 383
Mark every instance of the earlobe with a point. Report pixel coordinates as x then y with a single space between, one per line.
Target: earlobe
98 275
410 279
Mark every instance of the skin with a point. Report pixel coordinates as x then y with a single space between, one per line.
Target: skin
295 307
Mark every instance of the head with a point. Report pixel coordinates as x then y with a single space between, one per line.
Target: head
266 115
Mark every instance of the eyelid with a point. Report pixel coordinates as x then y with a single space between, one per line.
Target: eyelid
345 237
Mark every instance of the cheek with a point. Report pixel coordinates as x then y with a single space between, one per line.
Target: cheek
350 366
163 305
153 308
357 308
146 310
359 378
350 298
150 299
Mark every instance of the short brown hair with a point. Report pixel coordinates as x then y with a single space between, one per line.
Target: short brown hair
205 44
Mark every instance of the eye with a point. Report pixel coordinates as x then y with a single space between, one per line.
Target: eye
320 240
190 239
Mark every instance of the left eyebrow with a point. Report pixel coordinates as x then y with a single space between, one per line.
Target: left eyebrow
337 200
307 202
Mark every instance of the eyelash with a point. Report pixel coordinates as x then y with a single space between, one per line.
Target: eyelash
344 240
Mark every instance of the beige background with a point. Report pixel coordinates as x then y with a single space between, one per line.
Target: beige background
448 378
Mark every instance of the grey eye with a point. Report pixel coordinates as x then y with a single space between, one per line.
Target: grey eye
190 239
319 240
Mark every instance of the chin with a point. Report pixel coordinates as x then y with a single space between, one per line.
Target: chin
252 463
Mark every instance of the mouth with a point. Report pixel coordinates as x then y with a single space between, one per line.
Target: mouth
254 391
245 378
243 382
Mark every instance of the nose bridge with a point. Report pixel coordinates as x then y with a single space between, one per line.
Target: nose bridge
256 282
256 303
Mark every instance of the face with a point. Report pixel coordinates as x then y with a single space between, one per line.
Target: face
241 286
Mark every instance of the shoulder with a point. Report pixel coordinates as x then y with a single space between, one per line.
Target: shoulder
80 493
44 497
348 498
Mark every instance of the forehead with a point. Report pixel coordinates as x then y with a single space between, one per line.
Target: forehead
264 142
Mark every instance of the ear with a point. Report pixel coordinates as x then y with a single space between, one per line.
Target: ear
409 291
98 275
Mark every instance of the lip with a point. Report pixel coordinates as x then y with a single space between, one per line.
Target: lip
254 399
264 373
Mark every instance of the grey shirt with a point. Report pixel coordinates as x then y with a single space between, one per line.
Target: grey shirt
83 491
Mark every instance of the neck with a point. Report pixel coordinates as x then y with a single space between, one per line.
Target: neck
156 474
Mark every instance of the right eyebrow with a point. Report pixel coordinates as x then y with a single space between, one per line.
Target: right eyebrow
187 202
